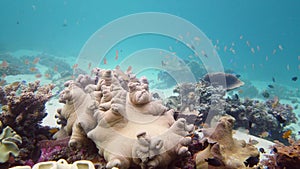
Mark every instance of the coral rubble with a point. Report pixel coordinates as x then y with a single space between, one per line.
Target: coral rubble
221 150
120 117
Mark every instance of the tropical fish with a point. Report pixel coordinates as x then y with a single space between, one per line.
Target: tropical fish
241 37
280 47
33 69
267 58
55 68
104 61
36 60
3 76
252 50
89 65
26 62
4 65
117 55
75 66
287 134
265 94
287 67
271 86
38 75
295 78
264 134
275 102
47 75
273 79
262 150
274 51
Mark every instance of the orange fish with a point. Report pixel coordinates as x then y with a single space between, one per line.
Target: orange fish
104 61
287 134
75 66
117 55
38 75
36 60
26 62
33 69
4 65
47 75
276 102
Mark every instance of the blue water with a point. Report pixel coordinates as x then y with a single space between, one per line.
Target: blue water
62 28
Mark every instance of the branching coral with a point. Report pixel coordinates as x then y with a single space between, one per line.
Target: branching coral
23 109
9 141
221 150
127 126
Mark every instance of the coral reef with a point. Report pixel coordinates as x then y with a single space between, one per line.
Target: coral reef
227 81
198 102
120 117
23 109
9 141
284 156
221 150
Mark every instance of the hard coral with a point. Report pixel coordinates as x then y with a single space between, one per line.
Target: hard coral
221 150
127 126
23 109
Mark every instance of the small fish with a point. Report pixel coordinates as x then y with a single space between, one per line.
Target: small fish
248 43
265 94
163 63
241 37
262 150
271 86
274 52
287 134
251 161
117 55
129 70
26 62
225 48
47 75
253 141
238 75
38 75
267 58
280 47
280 119
33 69
4 65
252 50
257 48
240 91
295 78
273 79
204 53
264 134
75 66
89 65
296 107
36 60
236 96
104 61
288 67
3 76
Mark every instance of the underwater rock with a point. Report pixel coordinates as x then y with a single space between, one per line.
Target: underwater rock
9 141
221 150
127 126
228 81
60 164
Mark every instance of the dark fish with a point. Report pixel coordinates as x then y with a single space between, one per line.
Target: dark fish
214 162
236 96
265 94
271 86
251 161
273 79
280 119
250 125
275 150
237 75
295 78
262 150
296 107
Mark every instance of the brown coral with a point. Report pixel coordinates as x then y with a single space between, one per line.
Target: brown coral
221 150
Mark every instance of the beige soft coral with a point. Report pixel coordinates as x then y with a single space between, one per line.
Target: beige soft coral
127 126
